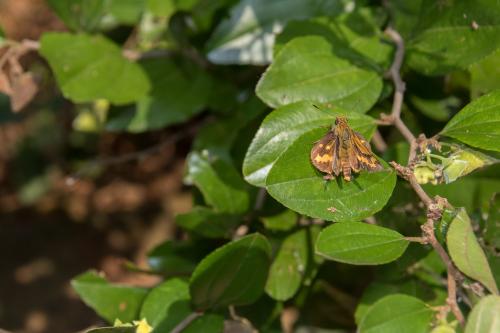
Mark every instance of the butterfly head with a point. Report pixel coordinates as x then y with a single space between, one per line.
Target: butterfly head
341 121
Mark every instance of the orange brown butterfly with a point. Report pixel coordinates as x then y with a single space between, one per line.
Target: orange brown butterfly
343 150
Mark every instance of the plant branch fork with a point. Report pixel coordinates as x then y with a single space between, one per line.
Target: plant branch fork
434 206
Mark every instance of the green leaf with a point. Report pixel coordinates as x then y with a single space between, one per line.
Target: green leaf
404 14
208 323
176 258
283 221
234 274
477 124
125 11
92 67
485 75
284 125
307 69
360 243
219 182
207 223
355 36
247 36
467 253
484 316
180 90
166 305
294 182
395 314
109 301
377 290
453 34
288 268
79 15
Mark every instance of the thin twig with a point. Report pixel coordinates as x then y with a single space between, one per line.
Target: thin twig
185 323
378 142
434 206
453 274
395 72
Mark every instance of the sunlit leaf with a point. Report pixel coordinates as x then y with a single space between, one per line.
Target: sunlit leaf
92 67
360 243
294 182
484 316
108 300
397 313
284 125
247 36
306 69
477 124
467 253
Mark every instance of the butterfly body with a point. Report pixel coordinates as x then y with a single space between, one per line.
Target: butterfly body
343 151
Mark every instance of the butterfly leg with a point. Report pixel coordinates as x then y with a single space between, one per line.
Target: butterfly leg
328 177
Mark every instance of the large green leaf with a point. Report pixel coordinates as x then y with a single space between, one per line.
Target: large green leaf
234 274
207 223
92 67
109 301
247 36
478 124
284 125
219 182
360 243
79 15
179 91
485 75
166 305
355 37
295 183
289 266
453 34
484 316
466 252
307 69
397 313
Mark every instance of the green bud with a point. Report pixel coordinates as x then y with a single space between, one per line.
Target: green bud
463 162
425 174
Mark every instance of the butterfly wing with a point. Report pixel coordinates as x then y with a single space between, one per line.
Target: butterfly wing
363 154
322 153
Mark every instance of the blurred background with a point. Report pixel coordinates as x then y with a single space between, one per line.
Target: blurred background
55 224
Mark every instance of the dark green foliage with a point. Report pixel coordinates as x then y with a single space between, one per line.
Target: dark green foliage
259 239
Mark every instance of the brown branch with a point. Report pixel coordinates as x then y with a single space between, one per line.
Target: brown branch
185 323
434 206
395 72
378 142
452 272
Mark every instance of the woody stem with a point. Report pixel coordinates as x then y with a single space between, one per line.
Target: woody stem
433 208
